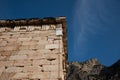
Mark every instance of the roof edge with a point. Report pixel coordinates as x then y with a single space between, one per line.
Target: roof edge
32 21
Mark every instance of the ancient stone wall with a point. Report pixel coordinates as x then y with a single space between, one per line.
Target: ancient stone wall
32 52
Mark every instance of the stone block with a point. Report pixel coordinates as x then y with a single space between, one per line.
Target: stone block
12 39
3 57
9 48
18 57
45 51
7 53
5 36
40 46
25 39
26 52
24 47
6 63
29 43
32 47
14 69
50 68
35 56
23 63
41 62
10 43
16 28
30 28
36 38
56 61
55 75
51 46
20 76
39 75
42 42
16 35
1 70
3 43
2 29
32 68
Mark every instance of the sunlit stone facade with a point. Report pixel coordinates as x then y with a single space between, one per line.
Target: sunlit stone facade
33 49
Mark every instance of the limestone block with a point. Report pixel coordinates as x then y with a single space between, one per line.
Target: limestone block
18 57
12 40
20 76
46 51
42 56
3 43
52 26
14 69
26 52
40 46
6 63
51 46
16 28
56 41
23 28
24 47
5 36
2 29
32 47
25 39
1 70
39 75
54 62
41 62
8 48
37 28
36 38
32 69
59 31
47 56
41 51
23 63
16 35
55 74
30 28
35 56
11 43
32 34
29 43
42 42
3 57
49 68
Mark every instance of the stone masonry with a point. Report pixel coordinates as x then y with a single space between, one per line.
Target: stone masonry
33 49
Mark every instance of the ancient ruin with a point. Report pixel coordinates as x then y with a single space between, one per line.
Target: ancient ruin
33 49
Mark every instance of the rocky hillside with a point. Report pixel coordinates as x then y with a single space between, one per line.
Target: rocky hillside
93 70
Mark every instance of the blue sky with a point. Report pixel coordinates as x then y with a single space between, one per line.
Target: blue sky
93 26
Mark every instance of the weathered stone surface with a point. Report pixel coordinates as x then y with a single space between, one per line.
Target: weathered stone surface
2 70
25 39
23 63
32 68
14 69
31 52
51 46
18 57
20 76
49 68
6 63
40 75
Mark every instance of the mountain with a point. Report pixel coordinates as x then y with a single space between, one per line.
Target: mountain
93 70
